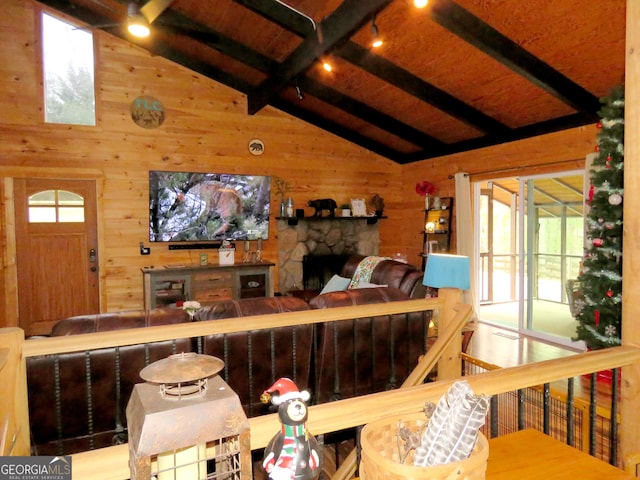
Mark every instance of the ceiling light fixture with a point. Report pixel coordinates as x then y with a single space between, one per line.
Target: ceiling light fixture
420 3
377 39
327 66
137 25
299 93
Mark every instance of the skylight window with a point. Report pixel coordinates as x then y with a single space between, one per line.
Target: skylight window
68 66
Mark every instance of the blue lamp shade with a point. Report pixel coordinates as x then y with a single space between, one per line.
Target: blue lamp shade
447 271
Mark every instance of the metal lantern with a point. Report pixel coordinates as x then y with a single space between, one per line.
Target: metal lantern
186 423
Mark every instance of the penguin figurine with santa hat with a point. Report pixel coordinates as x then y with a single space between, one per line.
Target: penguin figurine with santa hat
292 453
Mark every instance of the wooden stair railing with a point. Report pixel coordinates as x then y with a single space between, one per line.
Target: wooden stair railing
112 463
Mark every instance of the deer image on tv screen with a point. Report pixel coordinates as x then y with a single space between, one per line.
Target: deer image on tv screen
187 206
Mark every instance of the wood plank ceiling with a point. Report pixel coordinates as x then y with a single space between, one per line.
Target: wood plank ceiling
451 77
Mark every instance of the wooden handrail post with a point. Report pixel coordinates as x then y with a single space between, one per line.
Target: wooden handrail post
450 364
630 385
14 413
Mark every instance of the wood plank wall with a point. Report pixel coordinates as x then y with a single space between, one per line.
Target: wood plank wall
550 153
206 129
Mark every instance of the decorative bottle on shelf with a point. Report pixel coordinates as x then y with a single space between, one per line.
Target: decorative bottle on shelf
283 212
289 209
426 202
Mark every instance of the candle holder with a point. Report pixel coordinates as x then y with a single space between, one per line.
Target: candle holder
247 252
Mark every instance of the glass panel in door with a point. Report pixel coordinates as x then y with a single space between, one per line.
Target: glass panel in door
553 244
530 241
498 291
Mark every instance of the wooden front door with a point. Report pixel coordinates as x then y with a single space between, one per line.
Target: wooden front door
57 251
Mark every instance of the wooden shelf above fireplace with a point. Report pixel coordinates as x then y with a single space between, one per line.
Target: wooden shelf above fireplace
294 220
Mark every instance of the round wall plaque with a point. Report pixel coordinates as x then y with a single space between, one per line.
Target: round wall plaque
256 146
147 112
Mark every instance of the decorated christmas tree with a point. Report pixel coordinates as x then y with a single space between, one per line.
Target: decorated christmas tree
600 306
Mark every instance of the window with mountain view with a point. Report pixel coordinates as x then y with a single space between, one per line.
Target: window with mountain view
68 67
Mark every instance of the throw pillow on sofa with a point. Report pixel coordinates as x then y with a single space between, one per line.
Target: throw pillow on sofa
336 284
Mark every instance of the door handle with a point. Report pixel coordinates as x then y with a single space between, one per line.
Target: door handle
93 256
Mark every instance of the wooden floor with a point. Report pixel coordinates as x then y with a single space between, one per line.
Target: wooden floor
506 348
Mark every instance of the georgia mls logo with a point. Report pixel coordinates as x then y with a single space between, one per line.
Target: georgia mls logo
35 468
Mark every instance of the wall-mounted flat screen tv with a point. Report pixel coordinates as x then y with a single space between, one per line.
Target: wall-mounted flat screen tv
198 207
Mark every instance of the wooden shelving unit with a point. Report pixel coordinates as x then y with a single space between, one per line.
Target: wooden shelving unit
436 236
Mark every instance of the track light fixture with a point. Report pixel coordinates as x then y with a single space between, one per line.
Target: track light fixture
376 42
137 25
299 93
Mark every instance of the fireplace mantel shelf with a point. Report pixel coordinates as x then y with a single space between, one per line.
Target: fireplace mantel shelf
294 220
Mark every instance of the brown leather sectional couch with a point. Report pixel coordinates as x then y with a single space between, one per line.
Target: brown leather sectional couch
77 401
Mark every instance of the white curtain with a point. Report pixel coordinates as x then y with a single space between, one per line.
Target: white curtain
464 231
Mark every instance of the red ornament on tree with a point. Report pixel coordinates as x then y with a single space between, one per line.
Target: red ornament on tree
596 317
597 148
609 293
597 242
591 192
599 125
607 164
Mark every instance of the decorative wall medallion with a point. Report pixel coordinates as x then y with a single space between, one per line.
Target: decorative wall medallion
256 146
147 112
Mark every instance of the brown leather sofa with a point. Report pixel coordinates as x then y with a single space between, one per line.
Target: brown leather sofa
77 401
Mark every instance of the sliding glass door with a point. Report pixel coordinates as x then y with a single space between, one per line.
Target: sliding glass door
530 245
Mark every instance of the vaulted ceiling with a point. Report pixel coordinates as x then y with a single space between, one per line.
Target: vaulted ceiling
450 77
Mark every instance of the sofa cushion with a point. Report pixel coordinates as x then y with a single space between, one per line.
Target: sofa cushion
336 284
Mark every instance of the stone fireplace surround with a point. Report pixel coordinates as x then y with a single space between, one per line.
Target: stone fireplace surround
320 236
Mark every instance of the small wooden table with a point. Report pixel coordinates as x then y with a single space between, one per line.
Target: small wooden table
532 455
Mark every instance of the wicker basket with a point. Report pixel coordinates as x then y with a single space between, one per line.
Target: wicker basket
380 457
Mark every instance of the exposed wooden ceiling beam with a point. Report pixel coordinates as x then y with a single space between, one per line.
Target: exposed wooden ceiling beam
85 15
256 60
385 70
370 115
343 22
489 40
541 128
336 30
413 85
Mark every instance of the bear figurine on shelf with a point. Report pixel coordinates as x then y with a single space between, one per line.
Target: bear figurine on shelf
292 453
322 204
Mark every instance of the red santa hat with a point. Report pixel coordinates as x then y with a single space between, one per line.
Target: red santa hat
285 389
